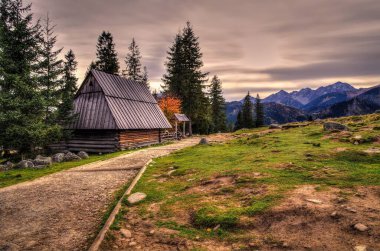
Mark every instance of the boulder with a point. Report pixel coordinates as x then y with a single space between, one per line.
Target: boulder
274 126
58 157
25 164
71 156
136 197
9 165
42 161
203 141
2 168
83 155
333 126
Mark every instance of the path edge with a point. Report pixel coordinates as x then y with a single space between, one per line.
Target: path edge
102 233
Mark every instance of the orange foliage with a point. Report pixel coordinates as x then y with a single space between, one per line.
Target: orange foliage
170 105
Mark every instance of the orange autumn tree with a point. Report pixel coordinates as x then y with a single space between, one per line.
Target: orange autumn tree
170 105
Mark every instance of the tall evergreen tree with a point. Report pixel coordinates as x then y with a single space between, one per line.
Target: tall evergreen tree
239 121
106 55
247 112
145 77
133 62
259 111
50 71
21 104
218 104
185 79
65 111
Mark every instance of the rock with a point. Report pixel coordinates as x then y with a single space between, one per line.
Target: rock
350 209
360 227
25 164
3 168
151 232
133 243
203 141
333 126
71 156
83 155
42 161
314 201
360 248
274 126
58 157
126 233
136 197
334 214
9 165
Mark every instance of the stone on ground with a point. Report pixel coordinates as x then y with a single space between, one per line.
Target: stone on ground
42 161
83 155
58 157
360 248
69 156
360 227
333 126
126 233
25 164
136 197
203 141
315 201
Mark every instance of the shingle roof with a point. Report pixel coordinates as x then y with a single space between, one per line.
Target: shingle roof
130 104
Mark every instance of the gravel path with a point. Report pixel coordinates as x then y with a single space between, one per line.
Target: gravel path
62 211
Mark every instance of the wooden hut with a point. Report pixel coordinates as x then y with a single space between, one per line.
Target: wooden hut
179 119
114 113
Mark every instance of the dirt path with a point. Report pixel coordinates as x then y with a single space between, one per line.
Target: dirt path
63 211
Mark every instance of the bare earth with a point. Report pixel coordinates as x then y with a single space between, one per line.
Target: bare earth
63 211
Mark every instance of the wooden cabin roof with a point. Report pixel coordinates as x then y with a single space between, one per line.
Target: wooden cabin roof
107 101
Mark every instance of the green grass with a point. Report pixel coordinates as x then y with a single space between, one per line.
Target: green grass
284 159
11 177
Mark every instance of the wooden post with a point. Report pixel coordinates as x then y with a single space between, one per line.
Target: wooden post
176 135
190 129
184 126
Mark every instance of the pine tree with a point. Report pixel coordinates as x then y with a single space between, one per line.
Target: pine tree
218 103
106 55
145 77
66 107
133 62
247 112
50 71
259 109
173 79
239 121
22 124
185 79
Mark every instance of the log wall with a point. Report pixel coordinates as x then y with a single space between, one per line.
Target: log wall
138 138
93 141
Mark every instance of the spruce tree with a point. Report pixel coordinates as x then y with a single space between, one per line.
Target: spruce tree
106 55
22 124
133 62
173 78
259 109
185 79
145 77
69 89
218 103
50 70
247 112
239 121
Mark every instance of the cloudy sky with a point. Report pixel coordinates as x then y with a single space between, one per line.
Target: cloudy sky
257 46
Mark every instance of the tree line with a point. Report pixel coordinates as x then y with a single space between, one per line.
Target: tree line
251 115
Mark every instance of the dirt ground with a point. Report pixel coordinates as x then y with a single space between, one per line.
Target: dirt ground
307 219
63 211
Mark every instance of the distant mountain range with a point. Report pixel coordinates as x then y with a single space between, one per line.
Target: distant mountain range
335 100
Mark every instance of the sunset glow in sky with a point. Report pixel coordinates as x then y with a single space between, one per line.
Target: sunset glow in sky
257 46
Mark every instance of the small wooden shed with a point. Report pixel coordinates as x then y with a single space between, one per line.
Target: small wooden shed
180 118
114 113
